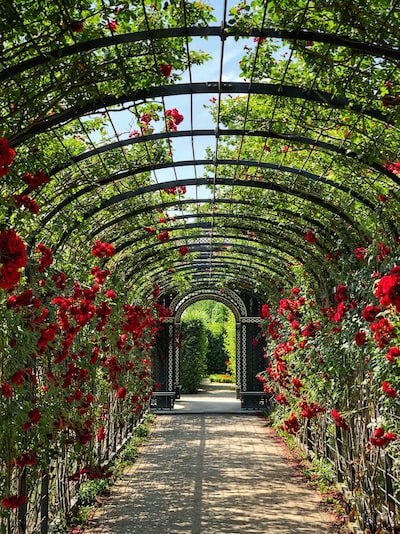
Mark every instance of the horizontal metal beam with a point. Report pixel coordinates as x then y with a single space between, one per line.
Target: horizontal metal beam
270 186
248 88
200 181
228 132
201 31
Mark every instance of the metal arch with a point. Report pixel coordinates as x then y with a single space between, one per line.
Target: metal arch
219 247
221 263
200 285
231 296
202 31
311 197
219 214
247 253
158 275
259 220
121 218
217 262
285 91
194 246
242 261
214 295
267 134
219 234
200 181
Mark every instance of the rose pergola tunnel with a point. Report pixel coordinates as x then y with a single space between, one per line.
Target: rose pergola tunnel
153 154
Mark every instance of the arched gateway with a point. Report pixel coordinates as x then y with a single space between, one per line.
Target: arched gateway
250 359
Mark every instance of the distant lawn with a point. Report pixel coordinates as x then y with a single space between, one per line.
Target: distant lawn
221 378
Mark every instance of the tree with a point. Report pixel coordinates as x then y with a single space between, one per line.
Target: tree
193 355
217 355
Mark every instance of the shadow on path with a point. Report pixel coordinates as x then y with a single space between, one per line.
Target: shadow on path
212 474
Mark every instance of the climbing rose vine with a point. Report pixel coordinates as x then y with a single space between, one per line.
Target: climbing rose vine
75 357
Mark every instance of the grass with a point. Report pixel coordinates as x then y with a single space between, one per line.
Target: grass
221 378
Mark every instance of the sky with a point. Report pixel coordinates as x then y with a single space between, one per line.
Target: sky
201 119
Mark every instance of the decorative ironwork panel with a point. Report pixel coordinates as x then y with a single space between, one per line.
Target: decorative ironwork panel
239 357
229 297
171 343
177 355
244 358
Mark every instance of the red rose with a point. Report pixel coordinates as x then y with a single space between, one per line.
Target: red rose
369 313
77 26
163 237
339 420
7 155
121 393
310 237
47 257
13 501
341 293
360 338
34 415
265 312
112 25
101 434
9 275
103 249
36 180
394 352
165 69
381 438
389 390
12 248
388 289
360 253
175 115
6 390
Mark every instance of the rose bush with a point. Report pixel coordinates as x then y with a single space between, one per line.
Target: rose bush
75 362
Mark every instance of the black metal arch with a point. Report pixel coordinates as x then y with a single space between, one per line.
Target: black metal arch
155 273
260 236
208 225
254 252
263 134
219 214
220 201
204 31
284 91
201 181
311 197
197 266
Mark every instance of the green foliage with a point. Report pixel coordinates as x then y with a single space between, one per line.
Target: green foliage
91 489
193 355
221 345
217 356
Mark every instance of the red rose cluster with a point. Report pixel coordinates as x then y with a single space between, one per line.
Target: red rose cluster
7 155
381 438
100 250
291 425
35 180
388 289
23 201
173 119
339 420
12 257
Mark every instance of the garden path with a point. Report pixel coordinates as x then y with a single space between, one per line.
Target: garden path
211 473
